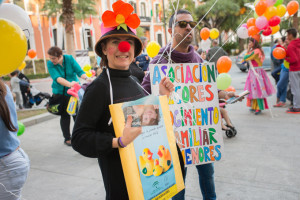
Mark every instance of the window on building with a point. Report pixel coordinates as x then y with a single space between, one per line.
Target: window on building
133 4
143 9
54 36
159 39
87 40
157 10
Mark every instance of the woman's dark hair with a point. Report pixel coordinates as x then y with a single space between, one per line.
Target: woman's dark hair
283 38
181 11
256 45
104 60
55 51
16 72
4 110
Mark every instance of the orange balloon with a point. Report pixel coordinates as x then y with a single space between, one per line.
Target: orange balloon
204 33
31 53
251 22
230 89
279 53
292 7
256 37
253 30
261 7
224 64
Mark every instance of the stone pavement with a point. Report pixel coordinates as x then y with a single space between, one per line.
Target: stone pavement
261 162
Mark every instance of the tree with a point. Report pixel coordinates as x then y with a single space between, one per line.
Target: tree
82 9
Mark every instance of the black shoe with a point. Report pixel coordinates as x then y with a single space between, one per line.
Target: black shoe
68 143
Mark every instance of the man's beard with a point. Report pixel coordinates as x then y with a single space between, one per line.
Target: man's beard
186 42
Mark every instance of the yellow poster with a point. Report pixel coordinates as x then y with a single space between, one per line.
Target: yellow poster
150 163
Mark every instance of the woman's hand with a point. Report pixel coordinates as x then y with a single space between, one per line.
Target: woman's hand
232 94
166 86
130 133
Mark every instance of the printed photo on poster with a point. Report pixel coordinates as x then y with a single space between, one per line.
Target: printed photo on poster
142 115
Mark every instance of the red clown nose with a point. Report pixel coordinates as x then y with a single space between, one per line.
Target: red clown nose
124 46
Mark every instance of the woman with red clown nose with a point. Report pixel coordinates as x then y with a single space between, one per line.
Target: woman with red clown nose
93 134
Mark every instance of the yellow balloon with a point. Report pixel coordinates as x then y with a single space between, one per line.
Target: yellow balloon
13 46
275 29
214 33
152 49
88 73
270 12
281 10
87 68
22 66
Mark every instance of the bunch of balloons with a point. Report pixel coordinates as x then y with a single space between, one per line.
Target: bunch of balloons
88 70
205 34
267 18
223 66
152 49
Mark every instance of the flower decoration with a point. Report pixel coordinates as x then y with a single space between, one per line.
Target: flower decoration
121 16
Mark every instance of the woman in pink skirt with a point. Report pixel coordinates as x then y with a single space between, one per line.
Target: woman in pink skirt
257 82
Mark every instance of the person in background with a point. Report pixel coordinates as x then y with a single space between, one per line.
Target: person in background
202 54
185 53
292 57
25 90
215 52
196 47
64 70
257 82
277 63
283 81
14 162
143 59
15 83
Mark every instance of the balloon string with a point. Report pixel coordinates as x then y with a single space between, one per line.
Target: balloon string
19 197
172 49
173 29
231 35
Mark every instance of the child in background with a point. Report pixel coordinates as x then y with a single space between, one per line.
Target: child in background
15 87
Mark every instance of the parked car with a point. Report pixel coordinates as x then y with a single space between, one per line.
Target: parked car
267 65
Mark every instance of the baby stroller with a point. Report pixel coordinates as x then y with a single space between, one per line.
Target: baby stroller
230 131
36 97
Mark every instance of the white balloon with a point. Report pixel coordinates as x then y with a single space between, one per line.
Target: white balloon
16 14
205 44
242 33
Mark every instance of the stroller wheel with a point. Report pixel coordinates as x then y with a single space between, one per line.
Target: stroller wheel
233 130
229 133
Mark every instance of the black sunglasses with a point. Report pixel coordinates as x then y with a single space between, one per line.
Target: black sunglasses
183 24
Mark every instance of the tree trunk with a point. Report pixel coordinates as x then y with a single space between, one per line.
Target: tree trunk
295 21
68 16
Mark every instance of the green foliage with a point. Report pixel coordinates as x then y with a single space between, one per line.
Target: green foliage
52 7
229 46
225 15
84 8
140 32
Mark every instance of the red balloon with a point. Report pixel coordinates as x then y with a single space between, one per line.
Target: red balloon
124 46
274 21
279 53
31 53
267 31
224 64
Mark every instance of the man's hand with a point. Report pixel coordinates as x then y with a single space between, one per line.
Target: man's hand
166 86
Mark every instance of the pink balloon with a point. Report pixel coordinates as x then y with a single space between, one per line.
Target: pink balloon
261 22
271 2
267 31
274 21
244 25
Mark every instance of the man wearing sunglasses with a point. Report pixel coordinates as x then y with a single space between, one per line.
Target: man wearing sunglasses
184 53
